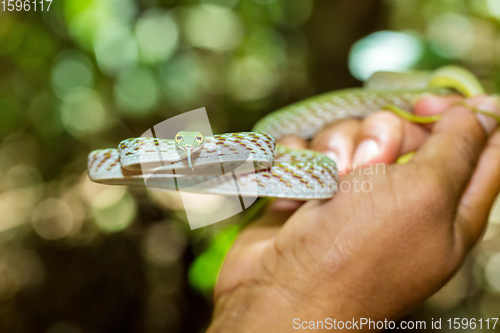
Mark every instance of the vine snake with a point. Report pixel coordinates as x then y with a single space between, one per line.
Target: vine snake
256 165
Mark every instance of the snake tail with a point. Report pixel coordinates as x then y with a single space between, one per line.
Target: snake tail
411 117
486 113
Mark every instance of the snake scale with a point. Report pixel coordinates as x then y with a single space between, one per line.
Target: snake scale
252 164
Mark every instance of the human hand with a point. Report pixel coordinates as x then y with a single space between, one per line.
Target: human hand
372 254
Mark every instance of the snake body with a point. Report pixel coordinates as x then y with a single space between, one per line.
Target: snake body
252 164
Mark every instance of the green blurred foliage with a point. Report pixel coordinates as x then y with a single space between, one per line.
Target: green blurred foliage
81 257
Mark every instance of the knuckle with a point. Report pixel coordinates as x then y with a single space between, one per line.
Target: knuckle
437 189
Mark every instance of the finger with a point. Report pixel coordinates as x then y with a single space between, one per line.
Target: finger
480 194
337 141
293 141
393 136
384 136
457 140
433 105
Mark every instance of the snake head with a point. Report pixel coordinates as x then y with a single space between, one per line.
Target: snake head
189 142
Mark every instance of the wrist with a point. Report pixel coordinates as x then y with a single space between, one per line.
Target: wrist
251 309
266 309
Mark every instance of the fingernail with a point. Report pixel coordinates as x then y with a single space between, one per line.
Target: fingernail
489 123
333 156
366 152
341 166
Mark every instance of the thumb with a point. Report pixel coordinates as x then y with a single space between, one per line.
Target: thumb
457 141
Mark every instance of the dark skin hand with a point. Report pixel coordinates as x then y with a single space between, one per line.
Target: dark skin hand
368 254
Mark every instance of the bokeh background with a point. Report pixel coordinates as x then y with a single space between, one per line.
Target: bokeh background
80 257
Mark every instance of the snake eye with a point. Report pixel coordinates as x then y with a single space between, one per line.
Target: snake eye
199 138
178 138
